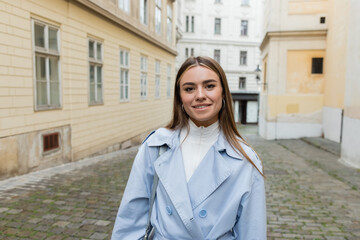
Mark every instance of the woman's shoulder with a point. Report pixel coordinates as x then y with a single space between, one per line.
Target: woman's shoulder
251 154
159 137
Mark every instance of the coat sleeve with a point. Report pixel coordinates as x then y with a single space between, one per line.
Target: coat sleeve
132 215
251 224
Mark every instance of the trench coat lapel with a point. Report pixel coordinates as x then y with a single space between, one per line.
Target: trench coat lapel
209 175
170 169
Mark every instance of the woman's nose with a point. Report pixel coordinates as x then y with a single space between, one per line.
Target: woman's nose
200 94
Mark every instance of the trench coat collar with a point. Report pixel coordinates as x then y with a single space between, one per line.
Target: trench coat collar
168 137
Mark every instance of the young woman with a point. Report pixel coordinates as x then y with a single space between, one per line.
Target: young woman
211 184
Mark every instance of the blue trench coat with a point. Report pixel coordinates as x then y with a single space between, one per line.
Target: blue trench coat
225 192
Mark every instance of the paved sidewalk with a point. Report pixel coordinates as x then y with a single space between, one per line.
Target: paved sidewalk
309 195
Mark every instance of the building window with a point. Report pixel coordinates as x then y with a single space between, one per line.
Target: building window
317 66
124 5
169 23
190 26
242 82
245 2
95 72
217 55
50 142
47 65
187 52
143 77
243 57
244 28
157 79
143 11
322 20
158 16
124 75
168 87
217 27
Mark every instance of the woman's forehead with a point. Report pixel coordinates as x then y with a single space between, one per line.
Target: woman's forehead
199 73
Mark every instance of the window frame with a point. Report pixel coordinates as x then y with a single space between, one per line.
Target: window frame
245 2
47 53
242 84
158 16
245 57
96 63
157 79
169 27
217 55
143 76
315 66
124 87
144 12
217 26
244 32
168 80
124 5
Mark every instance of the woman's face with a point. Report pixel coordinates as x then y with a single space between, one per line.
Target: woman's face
201 95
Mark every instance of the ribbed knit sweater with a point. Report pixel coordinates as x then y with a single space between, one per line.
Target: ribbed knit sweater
196 144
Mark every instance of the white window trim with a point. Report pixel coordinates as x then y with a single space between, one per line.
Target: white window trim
169 19
144 19
158 6
144 72
125 3
157 77
47 53
168 80
96 62
127 68
247 28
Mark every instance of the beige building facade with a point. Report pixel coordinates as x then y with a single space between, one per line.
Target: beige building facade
309 58
81 77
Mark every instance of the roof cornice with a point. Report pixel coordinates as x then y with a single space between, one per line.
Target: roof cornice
121 22
295 33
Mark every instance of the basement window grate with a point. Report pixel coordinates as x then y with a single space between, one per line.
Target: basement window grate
50 141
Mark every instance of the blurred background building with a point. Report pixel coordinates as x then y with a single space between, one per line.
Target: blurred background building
310 58
230 32
81 77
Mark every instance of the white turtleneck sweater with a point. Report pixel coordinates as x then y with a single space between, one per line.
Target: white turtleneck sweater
196 144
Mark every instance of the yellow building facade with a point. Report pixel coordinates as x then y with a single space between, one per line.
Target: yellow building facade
308 70
81 77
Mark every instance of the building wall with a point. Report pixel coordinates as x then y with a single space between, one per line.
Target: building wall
337 41
84 129
350 151
230 42
292 97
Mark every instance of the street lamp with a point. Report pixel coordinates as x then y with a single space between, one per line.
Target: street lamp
258 71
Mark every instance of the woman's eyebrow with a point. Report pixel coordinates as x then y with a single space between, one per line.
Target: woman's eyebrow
204 82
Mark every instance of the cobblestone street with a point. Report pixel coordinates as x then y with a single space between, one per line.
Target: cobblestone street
309 195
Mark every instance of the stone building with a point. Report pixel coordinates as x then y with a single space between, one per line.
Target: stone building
230 32
310 58
81 77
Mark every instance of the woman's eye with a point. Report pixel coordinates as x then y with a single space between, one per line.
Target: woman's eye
210 86
188 89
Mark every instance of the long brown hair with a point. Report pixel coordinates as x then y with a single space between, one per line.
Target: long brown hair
226 116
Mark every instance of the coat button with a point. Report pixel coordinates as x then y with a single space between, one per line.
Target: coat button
168 210
202 213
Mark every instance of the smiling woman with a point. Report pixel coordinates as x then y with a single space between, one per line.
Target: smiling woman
210 181
201 95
